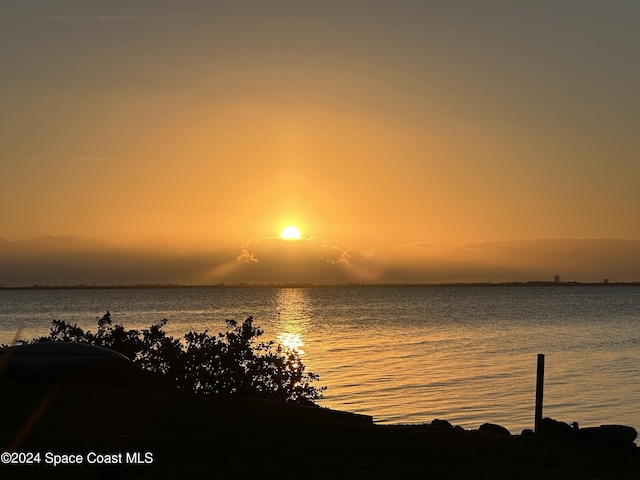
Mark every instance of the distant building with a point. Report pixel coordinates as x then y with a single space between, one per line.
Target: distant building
606 280
556 279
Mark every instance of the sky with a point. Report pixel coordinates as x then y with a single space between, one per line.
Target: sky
147 141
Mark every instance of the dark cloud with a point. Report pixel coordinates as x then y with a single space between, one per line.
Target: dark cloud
586 260
274 259
72 260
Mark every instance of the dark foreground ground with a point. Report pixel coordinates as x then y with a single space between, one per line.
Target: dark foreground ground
184 436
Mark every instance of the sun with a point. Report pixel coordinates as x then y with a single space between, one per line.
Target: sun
290 233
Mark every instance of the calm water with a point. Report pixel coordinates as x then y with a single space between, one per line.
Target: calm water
407 354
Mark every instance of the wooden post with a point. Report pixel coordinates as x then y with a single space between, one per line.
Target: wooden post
539 392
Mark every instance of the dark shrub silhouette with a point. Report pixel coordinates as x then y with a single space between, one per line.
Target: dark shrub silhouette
232 362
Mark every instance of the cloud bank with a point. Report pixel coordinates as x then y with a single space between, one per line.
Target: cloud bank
77 261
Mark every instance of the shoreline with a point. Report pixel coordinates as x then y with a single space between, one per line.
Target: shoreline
199 436
530 283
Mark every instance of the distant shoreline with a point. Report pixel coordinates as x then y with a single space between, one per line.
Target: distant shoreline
314 285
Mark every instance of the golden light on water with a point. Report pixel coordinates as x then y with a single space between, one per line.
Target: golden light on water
294 314
291 340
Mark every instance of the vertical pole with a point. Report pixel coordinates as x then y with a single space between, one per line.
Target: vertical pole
539 392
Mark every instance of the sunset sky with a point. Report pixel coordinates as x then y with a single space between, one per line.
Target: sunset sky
419 141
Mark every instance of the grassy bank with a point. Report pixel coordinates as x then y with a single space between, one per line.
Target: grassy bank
190 436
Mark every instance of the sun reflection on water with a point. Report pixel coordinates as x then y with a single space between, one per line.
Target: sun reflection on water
294 315
291 340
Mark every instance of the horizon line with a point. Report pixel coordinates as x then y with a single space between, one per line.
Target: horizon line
317 285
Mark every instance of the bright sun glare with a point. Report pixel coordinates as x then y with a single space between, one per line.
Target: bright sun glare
290 233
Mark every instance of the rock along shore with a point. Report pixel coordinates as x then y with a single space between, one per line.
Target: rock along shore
191 436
